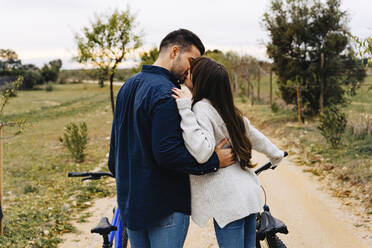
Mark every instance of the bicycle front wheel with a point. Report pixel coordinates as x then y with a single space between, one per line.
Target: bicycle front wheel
274 242
262 244
124 237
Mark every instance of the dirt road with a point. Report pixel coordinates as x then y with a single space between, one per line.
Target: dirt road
314 219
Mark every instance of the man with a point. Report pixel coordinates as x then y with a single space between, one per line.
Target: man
147 152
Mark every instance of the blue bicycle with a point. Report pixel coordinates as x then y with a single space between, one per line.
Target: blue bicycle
109 232
267 225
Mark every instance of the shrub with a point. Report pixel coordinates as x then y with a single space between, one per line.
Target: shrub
101 83
30 189
32 77
49 87
274 107
75 139
332 125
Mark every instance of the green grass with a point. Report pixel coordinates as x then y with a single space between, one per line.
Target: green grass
40 202
362 103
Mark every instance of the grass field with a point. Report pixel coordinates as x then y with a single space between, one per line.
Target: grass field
39 200
362 102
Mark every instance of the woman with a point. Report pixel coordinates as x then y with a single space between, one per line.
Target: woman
232 196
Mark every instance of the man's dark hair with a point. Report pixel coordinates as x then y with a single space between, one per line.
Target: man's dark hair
184 39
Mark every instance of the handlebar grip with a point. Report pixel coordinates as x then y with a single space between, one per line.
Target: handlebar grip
268 165
264 167
284 155
78 174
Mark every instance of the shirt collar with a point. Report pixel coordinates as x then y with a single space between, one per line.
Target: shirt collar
160 70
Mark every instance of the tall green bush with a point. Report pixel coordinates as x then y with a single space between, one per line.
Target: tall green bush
332 125
75 139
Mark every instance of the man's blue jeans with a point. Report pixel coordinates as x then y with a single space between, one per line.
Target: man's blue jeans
169 232
237 234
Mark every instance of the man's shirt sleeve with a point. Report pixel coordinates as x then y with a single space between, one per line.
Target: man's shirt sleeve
168 146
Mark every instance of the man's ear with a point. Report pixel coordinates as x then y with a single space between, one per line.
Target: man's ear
174 51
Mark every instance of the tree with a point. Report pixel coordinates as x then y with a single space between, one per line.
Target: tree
32 76
247 71
8 62
51 70
11 67
309 46
242 70
106 43
364 49
147 58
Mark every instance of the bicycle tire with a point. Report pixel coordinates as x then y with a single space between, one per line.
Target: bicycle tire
262 244
258 244
275 242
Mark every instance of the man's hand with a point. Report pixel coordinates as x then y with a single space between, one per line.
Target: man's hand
225 156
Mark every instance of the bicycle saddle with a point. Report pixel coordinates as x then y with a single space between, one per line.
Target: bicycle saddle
104 227
270 225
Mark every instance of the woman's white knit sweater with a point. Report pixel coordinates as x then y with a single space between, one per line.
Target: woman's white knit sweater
230 193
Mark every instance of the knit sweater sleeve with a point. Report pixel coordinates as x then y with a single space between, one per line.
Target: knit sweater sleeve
262 144
197 130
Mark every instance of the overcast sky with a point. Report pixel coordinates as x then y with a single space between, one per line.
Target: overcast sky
42 30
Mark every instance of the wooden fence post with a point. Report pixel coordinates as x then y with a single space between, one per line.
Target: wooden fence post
258 83
271 86
299 117
252 93
321 97
236 87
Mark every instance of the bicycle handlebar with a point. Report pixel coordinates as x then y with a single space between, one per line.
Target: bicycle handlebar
89 175
99 175
268 165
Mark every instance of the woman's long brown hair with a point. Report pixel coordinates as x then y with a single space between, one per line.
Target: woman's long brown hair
211 81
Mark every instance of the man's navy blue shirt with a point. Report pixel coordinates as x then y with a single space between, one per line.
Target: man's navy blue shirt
147 153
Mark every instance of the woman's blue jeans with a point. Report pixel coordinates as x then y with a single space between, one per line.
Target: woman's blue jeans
237 234
169 232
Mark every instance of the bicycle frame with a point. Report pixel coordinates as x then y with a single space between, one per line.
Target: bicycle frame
116 235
